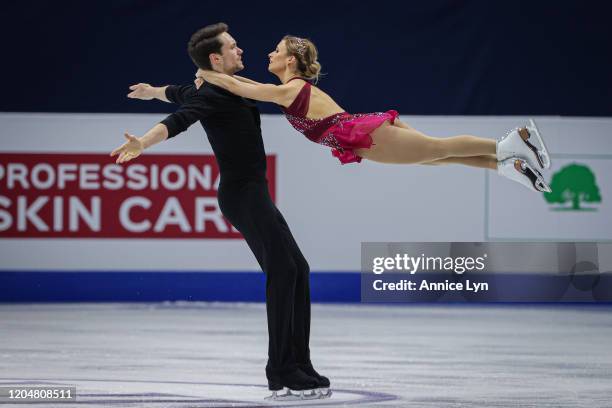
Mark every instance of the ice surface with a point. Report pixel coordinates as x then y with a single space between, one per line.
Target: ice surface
213 355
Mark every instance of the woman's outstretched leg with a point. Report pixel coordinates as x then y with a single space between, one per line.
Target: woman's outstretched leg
483 162
393 144
401 143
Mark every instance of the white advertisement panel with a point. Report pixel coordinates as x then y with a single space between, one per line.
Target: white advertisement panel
330 208
579 207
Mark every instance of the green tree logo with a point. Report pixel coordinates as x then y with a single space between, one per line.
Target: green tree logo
574 183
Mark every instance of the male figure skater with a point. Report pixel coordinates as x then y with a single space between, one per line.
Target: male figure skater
232 125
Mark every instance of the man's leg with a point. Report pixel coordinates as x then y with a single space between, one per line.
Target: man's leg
249 208
301 308
301 314
256 218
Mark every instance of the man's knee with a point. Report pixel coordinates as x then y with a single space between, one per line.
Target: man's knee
281 268
302 266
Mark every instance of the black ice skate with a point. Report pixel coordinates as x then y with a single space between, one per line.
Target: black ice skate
323 383
292 385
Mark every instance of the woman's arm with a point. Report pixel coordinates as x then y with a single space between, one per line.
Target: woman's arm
199 81
278 94
246 80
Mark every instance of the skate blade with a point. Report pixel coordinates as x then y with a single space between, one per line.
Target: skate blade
292 395
536 178
525 135
543 155
542 187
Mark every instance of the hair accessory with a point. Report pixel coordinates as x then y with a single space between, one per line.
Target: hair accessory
301 46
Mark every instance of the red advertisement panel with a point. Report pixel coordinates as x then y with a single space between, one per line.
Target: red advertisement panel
89 196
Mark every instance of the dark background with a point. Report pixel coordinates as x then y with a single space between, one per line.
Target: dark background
452 57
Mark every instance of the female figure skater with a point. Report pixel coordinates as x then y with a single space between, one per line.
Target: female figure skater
380 136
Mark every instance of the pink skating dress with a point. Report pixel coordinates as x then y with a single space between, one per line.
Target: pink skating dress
342 131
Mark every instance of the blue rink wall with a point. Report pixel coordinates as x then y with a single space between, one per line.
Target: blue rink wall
326 287
331 209
163 286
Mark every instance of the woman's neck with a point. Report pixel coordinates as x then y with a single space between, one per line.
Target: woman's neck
286 75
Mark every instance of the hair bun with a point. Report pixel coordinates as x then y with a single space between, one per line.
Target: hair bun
306 54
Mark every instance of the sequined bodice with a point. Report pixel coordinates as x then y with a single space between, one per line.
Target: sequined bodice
313 129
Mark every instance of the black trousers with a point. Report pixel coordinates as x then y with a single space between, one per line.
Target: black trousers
248 206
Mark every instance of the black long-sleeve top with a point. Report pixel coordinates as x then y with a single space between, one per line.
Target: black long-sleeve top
232 125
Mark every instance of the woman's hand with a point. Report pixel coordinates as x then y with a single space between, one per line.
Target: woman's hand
209 76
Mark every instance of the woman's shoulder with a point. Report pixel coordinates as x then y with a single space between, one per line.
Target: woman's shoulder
298 82
295 86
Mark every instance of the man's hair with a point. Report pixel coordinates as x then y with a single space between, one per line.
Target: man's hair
204 42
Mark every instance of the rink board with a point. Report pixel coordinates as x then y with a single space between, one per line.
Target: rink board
330 208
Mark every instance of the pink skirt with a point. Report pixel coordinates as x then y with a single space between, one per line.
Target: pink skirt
354 133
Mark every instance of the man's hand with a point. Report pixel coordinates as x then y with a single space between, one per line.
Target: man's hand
129 150
145 92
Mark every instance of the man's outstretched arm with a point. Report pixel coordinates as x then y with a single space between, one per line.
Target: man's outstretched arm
196 108
147 92
134 146
170 93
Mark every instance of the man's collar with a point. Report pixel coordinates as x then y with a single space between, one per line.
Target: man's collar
219 89
228 93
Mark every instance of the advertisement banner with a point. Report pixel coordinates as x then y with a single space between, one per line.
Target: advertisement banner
578 208
89 196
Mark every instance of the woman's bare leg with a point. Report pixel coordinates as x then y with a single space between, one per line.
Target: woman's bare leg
394 144
484 162
401 124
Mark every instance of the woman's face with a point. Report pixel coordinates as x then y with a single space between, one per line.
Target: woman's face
278 58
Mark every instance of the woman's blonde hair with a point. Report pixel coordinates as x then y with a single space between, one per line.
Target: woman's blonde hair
306 56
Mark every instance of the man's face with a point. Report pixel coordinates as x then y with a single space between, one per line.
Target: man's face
230 60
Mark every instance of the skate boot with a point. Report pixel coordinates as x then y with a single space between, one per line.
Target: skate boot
291 385
517 144
521 171
322 382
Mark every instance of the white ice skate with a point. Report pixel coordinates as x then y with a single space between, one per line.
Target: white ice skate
287 394
517 144
521 171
